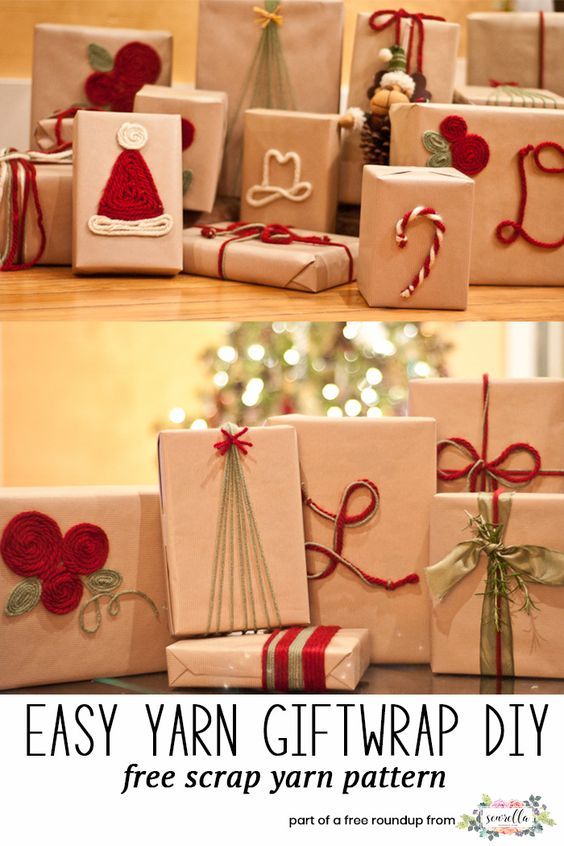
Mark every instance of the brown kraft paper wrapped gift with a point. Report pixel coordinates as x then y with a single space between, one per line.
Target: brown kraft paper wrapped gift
397 457
508 95
204 121
41 646
389 275
300 55
292 264
233 531
439 51
101 197
528 413
459 632
66 57
236 661
512 49
503 248
290 169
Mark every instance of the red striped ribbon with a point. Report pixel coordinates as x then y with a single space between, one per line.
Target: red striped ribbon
311 659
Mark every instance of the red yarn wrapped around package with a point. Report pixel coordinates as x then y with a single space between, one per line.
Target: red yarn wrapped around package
32 544
470 154
85 549
61 592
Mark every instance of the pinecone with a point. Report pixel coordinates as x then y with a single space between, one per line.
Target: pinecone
375 140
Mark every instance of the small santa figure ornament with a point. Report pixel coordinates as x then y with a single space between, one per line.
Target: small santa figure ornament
130 203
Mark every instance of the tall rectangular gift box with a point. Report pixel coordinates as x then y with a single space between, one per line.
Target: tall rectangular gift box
284 258
431 47
232 527
204 121
268 55
82 584
514 156
290 169
100 67
495 432
368 485
516 48
497 583
415 234
127 194
315 658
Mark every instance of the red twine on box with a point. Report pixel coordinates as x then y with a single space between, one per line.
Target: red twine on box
481 472
394 17
516 227
291 663
343 520
233 439
274 233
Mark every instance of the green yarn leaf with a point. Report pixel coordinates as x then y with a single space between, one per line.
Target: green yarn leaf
99 58
440 160
187 176
23 598
435 143
103 581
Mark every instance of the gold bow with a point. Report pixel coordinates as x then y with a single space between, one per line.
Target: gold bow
265 17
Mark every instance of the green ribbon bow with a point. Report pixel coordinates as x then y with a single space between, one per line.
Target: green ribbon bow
510 570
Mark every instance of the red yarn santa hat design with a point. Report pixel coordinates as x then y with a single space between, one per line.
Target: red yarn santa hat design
130 204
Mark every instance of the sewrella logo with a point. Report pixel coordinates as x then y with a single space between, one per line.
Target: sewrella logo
507 816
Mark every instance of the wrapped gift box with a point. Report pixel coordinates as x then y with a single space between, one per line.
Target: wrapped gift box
100 66
82 583
250 661
386 538
50 132
431 270
127 195
439 52
290 169
459 632
204 121
527 412
291 61
233 532
15 108
487 147
508 95
506 48
263 260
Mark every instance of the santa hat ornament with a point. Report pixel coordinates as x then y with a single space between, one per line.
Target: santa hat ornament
130 204
396 73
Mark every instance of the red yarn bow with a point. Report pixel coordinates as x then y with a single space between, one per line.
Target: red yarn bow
394 17
480 470
342 520
231 439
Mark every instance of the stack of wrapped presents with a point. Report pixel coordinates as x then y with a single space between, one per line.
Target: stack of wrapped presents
290 556
456 184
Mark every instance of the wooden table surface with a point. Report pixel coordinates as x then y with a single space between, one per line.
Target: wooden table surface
53 293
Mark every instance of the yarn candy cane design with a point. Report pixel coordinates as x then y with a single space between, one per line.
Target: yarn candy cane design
401 241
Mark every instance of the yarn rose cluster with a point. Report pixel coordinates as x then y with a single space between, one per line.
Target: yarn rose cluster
34 547
115 82
454 146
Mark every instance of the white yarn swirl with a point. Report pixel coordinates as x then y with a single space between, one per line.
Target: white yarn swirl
132 136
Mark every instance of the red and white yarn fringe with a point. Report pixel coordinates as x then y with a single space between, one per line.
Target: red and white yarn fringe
401 240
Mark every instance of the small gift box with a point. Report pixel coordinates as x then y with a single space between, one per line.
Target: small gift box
497 584
515 157
267 53
97 66
430 47
520 48
127 193
290 169
415 234
15 108
367 487
204 120
313 659
270 255
82 584
508 95
54 133
495 432
233 532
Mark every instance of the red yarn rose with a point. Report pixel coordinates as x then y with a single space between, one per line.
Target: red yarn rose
85 549
470 154
61 592
137 64
31 544
100 88
188 133
453 127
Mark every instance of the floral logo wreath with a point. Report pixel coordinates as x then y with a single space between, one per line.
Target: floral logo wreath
33 546
539 815
455 147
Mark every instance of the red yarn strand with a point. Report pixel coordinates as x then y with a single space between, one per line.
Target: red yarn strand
394 17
